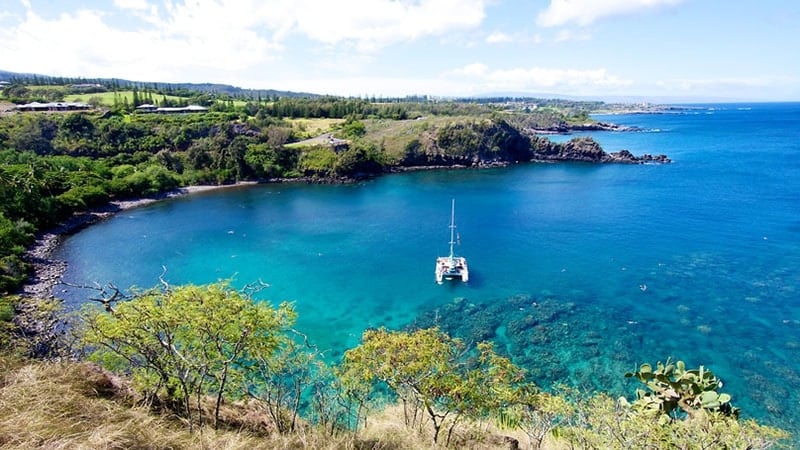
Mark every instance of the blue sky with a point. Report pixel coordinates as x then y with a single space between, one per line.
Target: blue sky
638 49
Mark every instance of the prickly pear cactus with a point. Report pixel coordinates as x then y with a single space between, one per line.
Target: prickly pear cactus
673 391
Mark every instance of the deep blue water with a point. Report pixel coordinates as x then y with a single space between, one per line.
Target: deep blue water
559 255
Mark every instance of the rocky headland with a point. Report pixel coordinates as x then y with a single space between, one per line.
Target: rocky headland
565 128
585 149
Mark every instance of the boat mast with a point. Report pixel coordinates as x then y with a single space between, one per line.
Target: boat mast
452 228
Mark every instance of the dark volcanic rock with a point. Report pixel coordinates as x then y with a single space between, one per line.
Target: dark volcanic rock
601 126
624 156
585 149
565 128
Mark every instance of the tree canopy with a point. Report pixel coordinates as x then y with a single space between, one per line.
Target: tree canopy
180 344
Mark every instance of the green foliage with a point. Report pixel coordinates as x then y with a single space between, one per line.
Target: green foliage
674 390
317 161
333 107
6 308
14 236
352 129
579 117
537 414
487 140
267 161
186 342
359 160
460 139
37 329
32 133
6 321
153 179
284 379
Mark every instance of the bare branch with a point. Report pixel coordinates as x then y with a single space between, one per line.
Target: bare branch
253 288
106 295
162 280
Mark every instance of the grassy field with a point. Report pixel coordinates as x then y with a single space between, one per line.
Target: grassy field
107 98
394 135
309 128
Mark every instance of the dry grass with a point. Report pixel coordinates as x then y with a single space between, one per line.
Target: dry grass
386 430
80 406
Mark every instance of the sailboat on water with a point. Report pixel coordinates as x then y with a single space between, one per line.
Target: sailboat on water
452 267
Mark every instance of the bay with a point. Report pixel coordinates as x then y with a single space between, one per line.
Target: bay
579 272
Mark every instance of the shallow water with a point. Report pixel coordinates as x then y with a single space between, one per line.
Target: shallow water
580 272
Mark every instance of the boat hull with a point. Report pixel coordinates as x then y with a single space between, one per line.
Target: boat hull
451 268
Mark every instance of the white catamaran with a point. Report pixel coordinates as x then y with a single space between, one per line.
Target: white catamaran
452 267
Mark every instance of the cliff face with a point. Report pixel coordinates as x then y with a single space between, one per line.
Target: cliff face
495 142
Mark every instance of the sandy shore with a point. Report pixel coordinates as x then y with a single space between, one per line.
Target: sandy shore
47 272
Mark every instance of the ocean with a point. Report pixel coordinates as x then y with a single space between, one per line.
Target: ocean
579 272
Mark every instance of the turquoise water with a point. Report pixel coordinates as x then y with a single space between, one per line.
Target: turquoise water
580 272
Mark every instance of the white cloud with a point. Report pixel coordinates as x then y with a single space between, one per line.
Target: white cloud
470 70
132 4
536 79
168 39
498 37
366 86
83 43
697 84
471 79
585 12
374 24
570 35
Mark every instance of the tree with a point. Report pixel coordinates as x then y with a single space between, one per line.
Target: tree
361 159
433 375
418 367
352 128
184 343
281 379
536 413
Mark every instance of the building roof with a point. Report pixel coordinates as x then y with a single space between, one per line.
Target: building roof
190 108
54 105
